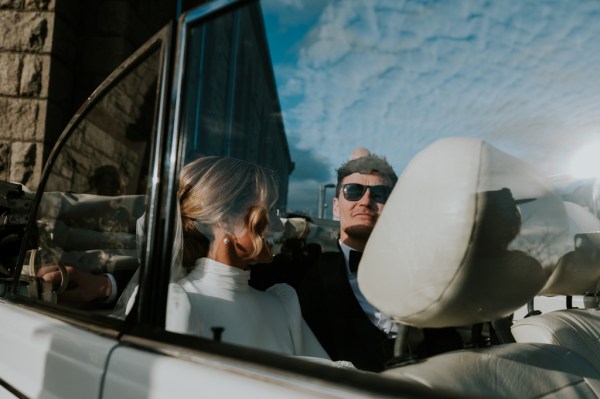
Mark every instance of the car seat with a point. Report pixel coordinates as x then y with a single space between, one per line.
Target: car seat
434 260
577 273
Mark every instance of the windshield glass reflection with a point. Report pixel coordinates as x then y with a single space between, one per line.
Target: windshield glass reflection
396 76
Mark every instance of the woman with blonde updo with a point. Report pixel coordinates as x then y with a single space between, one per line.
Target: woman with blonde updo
225 205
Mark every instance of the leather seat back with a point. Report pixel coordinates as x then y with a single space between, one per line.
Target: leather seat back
577 273
442 252
445 252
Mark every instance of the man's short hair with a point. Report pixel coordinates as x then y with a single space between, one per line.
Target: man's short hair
367 165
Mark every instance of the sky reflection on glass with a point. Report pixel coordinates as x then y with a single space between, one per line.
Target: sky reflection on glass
394 76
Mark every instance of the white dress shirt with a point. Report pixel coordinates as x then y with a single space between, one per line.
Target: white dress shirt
378 318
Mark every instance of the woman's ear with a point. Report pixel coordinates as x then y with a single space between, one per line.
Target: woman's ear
223 249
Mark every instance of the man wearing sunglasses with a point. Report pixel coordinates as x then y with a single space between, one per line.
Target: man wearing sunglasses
348 327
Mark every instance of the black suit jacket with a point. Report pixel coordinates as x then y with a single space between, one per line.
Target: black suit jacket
336 318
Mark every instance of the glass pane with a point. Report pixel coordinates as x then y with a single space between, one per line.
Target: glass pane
398 78
233 185
303 87
230 103
395 77
95 197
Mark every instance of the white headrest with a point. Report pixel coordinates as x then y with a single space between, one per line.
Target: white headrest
423 263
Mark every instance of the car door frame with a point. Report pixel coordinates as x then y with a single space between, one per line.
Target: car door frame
46 343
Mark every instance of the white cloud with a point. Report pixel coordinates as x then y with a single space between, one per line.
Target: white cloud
393 76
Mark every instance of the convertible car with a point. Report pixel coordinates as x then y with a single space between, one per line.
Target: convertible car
492 228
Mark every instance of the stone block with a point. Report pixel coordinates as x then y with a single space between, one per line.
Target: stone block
4 160
11 4
35 76
26 31
40 5
26 163
22 119
10 70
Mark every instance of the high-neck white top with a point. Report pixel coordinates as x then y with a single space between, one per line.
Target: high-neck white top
217 295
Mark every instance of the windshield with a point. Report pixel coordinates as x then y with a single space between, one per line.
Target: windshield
481 116
395 76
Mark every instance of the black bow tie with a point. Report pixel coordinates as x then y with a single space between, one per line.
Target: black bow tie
354 260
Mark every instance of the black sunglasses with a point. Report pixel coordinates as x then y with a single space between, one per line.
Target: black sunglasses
355 191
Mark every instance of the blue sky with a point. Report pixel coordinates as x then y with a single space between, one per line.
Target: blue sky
394 76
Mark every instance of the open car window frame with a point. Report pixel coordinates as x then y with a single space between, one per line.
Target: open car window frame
158 45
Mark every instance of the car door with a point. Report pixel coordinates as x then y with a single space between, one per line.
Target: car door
93 193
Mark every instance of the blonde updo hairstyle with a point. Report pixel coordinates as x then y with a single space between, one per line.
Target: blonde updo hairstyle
222 192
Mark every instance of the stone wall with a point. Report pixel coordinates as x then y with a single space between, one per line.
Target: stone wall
25 51
53 53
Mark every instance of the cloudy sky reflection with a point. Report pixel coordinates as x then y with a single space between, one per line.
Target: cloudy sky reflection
394 76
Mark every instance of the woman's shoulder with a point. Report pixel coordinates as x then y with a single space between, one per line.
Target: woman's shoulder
283 291
286 294
186 283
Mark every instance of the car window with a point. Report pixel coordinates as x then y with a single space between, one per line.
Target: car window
397 77
88 223
301 87
230 103
233 189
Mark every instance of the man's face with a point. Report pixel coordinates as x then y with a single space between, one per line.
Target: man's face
357 218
